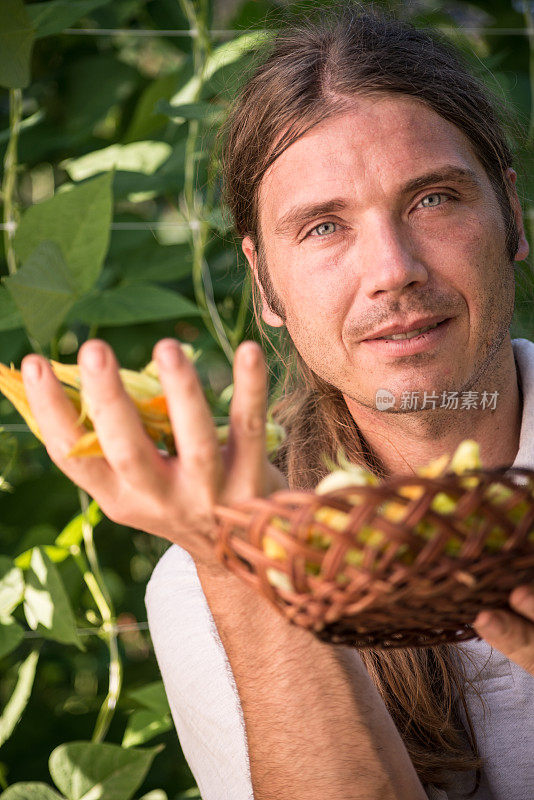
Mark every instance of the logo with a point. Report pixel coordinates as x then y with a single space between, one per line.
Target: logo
384 399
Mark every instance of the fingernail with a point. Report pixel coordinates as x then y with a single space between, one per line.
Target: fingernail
94 358
170 355
32 370
523 597
491 623
250 356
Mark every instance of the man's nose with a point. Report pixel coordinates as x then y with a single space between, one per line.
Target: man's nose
388 259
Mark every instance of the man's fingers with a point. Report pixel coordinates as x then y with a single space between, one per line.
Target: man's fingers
246 443
512 635
126 445
522 601
191 418
56 419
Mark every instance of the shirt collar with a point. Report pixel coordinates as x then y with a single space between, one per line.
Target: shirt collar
524 356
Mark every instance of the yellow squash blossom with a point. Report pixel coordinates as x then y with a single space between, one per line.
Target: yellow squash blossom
344 474
144 389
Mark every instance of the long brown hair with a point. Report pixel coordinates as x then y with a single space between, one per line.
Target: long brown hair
424 688
309 72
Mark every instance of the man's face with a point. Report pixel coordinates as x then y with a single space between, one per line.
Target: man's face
354 245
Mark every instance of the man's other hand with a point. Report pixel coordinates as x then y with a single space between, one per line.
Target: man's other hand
512 634
137 485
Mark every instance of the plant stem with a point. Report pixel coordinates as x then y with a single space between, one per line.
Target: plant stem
88 538
54 348
196 210
107 709
10 177
92 575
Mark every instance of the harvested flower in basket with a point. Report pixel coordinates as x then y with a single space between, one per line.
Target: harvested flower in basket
145 391
466 457
407 561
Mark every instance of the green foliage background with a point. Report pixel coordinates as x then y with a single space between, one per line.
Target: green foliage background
113 227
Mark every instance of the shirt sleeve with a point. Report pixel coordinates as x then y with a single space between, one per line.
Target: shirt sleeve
198 679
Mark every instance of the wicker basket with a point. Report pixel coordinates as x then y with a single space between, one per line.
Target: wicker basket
419 579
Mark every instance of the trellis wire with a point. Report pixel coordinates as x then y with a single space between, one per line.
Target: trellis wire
137 626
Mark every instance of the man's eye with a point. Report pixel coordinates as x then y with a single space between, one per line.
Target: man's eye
323 229
432 200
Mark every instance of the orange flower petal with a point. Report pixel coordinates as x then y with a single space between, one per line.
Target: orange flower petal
87 445
155 404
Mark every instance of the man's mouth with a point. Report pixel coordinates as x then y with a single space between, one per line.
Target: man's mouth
410 334
425 339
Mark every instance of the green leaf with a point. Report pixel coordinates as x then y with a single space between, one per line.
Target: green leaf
46 603
16 42
144 157
206 112
11 635
231 51
78 220
145 121
152 696
166 179
42 290
53 17
9 314
72 533
96 85
152 261
190 794
11 586
222 56
143 726
131 303
19 699
155 794
111 771
30 791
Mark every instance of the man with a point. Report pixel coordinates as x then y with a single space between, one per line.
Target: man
375 196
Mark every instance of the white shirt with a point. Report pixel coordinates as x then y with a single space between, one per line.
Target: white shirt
205 704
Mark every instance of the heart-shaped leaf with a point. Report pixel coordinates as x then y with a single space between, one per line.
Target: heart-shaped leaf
136 302
83 770
78 221
43 291
10 317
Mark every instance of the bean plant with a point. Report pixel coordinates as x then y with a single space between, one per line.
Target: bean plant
113 226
